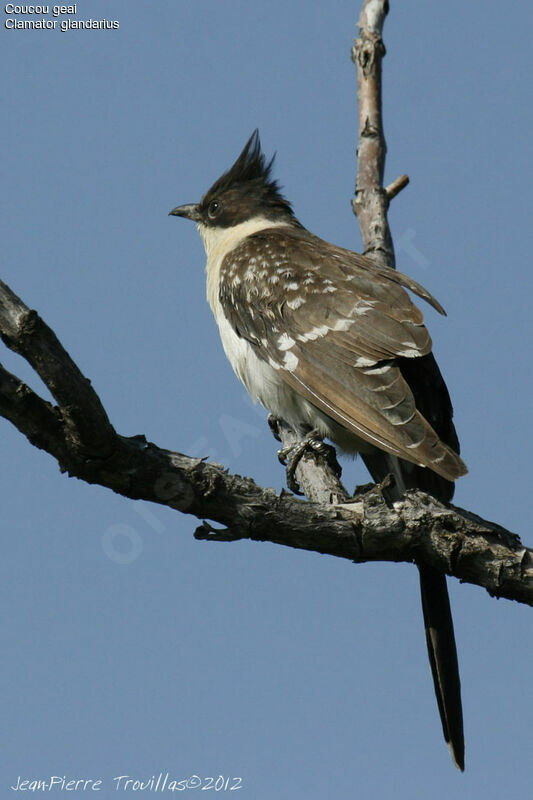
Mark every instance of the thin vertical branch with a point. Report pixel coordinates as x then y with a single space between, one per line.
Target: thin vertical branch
371 200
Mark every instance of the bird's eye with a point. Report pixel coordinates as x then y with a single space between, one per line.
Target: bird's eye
214 209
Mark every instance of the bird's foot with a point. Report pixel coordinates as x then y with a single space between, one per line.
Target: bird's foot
292 454
273 423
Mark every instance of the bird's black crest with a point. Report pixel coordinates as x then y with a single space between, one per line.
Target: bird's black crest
251 165
250 178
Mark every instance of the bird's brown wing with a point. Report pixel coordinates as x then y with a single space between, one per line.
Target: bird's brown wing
335 327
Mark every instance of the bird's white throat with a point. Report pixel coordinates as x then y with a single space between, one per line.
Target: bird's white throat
218 242
217 239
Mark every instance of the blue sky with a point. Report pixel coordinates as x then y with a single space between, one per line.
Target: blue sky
130 648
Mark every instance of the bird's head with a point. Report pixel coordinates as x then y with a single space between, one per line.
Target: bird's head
246 192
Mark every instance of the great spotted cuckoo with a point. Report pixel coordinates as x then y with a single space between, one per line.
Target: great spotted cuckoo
331 343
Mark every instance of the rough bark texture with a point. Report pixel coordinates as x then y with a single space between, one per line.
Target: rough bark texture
79 435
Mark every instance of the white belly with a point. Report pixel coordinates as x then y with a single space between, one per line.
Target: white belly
263 382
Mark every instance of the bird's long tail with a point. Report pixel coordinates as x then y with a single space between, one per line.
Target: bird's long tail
442 653
438 620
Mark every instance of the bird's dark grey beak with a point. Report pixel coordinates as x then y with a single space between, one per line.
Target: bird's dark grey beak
190 211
